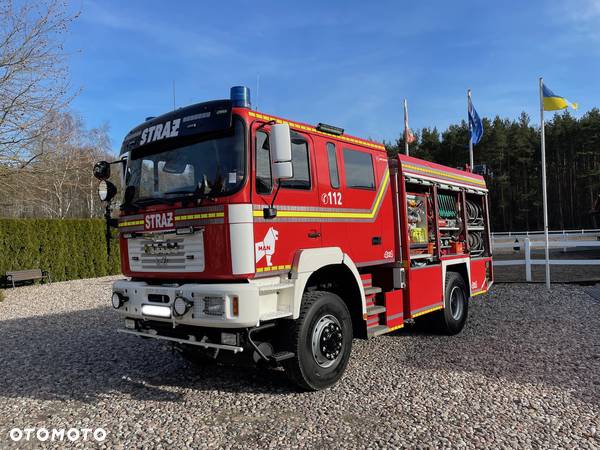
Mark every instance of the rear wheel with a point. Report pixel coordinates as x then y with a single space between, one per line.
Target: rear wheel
321 340
453 317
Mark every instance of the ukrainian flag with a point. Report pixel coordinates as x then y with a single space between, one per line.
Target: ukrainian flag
553 102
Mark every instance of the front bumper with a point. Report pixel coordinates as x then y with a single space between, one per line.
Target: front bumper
255 302
191 340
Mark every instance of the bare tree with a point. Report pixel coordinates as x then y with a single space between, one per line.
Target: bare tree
33 77
59 183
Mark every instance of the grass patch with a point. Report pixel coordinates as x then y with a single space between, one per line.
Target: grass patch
1 295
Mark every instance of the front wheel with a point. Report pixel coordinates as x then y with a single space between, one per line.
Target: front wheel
321 340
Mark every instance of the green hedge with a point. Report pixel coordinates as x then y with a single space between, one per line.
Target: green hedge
68 249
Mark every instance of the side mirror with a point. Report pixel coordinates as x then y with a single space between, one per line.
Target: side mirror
102 170
106 191
283 170
281 151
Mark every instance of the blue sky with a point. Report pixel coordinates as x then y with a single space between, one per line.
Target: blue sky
346 63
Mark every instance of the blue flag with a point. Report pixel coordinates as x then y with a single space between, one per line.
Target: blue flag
475 125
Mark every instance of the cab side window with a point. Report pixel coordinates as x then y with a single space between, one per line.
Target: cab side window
334 177
359 169
300 165
264 180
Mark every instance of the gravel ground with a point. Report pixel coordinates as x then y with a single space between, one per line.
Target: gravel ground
524 373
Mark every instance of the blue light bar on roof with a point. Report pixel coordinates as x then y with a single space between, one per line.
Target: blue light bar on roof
240 97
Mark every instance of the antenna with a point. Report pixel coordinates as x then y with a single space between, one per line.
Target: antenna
173 95
257 87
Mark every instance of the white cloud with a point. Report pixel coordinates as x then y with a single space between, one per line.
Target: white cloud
583 10
162 32
583 16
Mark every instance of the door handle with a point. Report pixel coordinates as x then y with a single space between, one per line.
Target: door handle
314 234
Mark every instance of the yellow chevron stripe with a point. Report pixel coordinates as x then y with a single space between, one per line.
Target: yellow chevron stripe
131 223
273 268
420 313
335 214
478 293
210 215
443 174
314 130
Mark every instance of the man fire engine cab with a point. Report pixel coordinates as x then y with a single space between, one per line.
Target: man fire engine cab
247 237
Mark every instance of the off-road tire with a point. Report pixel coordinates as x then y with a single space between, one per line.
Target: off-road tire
452 318
303 369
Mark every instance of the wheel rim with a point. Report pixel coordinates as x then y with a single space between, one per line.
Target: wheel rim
327 341
457 302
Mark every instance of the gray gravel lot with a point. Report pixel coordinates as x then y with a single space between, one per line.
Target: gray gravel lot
525 372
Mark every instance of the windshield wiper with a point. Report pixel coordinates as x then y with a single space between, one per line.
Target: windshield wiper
140 202
146 201
198 193
183 193
189 195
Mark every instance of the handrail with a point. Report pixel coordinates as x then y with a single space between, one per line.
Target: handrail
550 232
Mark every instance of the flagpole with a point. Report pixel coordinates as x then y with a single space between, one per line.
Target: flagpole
544 193
405 127
469 102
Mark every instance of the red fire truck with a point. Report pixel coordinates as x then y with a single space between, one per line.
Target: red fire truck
248 237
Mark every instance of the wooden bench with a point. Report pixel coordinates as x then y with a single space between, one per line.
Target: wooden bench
26 275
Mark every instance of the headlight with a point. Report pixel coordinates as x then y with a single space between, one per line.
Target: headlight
117 300
106 191
102 190
214 306
181 306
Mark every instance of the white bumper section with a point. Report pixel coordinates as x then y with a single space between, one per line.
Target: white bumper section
257 300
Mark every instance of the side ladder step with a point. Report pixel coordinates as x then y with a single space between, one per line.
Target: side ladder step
372 290
377 309
376 331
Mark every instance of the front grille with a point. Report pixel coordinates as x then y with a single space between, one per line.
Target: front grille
167 253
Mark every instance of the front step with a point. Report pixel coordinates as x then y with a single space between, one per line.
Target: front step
281 356
275 288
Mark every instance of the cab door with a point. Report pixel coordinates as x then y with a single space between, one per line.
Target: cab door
331 199
295 227
361 182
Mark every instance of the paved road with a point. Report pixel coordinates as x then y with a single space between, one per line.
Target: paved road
524 373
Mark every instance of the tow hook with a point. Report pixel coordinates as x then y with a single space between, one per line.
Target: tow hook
265 353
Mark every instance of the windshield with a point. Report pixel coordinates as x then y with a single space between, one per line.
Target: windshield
209 167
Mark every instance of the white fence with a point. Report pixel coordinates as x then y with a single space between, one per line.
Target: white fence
559 239
553 234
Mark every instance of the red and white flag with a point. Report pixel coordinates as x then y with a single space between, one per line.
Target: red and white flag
409 136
